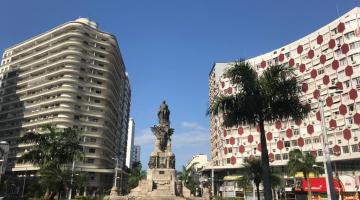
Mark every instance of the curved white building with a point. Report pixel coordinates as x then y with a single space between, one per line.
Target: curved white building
327 57
71 76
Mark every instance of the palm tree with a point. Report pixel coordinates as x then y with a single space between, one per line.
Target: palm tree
52 150
299 162
188 177
253 172
274 95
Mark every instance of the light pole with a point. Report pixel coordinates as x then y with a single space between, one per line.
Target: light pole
114 190
72 179
325 143
24 182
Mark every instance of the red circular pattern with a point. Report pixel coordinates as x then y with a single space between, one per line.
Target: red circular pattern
229 90
339 85
291 62
316 94
304 87
222 84
357 118
329 101
332 123
318 116
299 49
310 129
341 27
347 134
240 130
311 54
337 150
241 148
280 144
353 94
313 153
281 57
298 121
326 79
349 70
289 133
269 136
342 109
322 59
225 151
259 147
257 128
232 140
331 43
233 160
335 65
307 107
225 133
302 68
250 138
271 157
345 48
313 73
301 142
263 64
278 124
319 39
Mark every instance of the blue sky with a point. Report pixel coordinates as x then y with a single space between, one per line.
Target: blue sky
169 47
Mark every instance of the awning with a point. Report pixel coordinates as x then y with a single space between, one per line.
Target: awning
317 185
232 178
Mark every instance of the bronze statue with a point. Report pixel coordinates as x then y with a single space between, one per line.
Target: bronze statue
164 114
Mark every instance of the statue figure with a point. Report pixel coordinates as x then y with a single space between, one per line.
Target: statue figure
164 114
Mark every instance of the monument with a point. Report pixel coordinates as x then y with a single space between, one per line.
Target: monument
160 182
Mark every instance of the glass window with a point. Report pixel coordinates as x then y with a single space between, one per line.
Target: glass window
277 156
354 148
345 149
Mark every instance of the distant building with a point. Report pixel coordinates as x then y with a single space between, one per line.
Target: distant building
72 75
197 161
328 57
130 143
136 153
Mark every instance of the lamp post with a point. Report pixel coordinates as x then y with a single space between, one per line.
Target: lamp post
114 190
71 180
325 143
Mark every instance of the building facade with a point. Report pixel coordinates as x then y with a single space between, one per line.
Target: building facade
130 143
197 161
136 153
70 76
330 56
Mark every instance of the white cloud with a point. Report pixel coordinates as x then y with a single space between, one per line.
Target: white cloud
192 125
191 137
146 137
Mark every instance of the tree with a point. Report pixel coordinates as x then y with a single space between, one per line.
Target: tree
253 172
136 174
52 150
299 162
274 95
188 177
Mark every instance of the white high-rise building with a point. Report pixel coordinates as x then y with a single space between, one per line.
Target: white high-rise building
71 76
130 143
136 153
328 57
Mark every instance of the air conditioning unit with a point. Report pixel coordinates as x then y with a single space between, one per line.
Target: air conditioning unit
350 113
349 125
287 148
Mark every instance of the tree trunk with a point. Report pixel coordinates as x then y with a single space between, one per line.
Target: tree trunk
265 166
309 189
258 191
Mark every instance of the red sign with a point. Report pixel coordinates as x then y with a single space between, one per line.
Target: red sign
317 185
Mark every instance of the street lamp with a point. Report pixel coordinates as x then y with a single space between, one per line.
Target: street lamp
114 190
327 161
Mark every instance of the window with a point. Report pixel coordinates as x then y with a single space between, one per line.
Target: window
90 160
285 156
293 142
296 132
355 139
78 97
320 153
351 107
287 143
354 148
339 141
277 156
97 101
345 149
92 150
230 150
308 141
316 140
